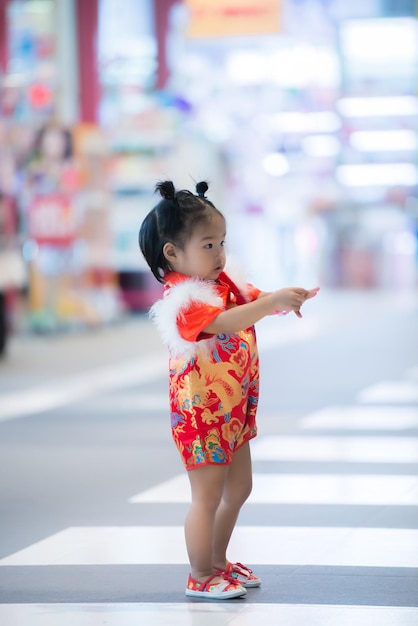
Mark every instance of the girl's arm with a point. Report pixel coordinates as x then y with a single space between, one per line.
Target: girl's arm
262 294
241 317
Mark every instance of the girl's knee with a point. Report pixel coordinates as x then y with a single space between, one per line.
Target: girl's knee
207 485
236 494
207 502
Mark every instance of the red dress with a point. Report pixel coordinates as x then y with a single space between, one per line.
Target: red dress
214 379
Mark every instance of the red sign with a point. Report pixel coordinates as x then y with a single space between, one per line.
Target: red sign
217 18
52 220
40 95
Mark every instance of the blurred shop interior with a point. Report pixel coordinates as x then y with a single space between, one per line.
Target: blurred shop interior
301 114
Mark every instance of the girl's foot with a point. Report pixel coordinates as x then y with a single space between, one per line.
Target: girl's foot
223 590
242 575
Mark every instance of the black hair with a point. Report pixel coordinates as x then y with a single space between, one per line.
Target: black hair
67 151
172 220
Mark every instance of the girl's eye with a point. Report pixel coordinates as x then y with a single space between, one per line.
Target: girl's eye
209 245
223 243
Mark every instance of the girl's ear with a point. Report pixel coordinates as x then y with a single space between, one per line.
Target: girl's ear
169 252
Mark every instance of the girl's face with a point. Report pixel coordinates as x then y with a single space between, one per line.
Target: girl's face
203 255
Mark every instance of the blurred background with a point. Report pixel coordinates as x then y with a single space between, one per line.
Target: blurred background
301 114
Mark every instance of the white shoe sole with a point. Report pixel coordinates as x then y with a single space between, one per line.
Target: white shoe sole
212 595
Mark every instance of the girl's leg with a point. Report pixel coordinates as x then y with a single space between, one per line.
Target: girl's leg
207 485
236 490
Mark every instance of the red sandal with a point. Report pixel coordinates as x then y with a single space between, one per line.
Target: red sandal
223 590
242 575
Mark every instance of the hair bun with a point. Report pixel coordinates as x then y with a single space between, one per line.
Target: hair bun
201 188
166 189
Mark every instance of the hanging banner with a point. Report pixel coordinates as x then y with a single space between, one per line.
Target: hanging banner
220 18
52 220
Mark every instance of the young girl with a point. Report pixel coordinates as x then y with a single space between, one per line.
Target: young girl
207 321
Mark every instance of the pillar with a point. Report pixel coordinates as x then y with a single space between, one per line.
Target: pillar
161 13
87 22
3 36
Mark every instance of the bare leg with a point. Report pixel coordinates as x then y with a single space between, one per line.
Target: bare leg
207 485
236 490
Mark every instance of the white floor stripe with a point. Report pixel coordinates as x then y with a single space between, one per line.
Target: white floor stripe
391 391
354 547
344 449
304 489
361 418
129 402
234 613
75 388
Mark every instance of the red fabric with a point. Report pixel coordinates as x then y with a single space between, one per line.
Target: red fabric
214 394
198 315
191 322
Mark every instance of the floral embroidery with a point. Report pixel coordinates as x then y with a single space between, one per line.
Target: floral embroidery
176 419
214 402
197 453
231 431
214 396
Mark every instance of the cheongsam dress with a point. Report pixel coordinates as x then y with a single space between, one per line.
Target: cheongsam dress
213 379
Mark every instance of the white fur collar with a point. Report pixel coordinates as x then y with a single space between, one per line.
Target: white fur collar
166 311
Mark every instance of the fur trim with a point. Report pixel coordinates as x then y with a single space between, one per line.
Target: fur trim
165 312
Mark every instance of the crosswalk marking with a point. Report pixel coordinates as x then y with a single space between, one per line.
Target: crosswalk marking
361 418
269 545
17 404
344 449
304 489
235 613
129 402
403 391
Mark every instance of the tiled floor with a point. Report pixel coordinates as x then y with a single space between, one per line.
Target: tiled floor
358 462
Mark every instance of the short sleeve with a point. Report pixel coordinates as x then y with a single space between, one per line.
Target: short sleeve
193 320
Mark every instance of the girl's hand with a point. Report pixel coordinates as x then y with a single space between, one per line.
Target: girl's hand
292 298
312 292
